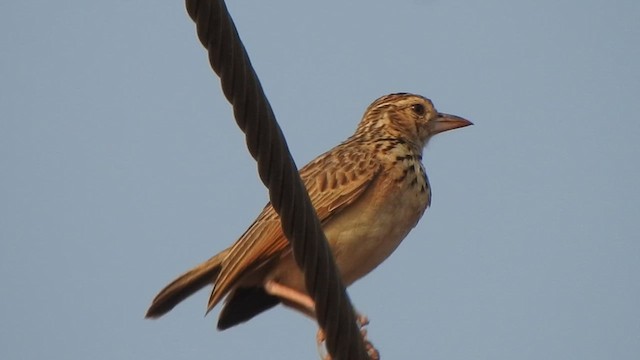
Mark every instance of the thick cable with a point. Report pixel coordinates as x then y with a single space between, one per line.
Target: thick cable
278 172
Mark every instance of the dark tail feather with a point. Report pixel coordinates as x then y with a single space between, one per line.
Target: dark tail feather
184 286
243 304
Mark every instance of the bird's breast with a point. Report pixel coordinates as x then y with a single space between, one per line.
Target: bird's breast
367 232
363 234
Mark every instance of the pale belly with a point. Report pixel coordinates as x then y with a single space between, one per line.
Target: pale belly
365 234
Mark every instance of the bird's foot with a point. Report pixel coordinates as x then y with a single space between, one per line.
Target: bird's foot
362 321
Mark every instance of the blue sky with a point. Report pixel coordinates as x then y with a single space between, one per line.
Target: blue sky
121 166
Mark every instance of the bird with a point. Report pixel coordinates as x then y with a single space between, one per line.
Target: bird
368 192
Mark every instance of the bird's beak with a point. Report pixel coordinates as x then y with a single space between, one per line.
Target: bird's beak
444 122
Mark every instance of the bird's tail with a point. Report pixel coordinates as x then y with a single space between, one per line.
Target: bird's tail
185 285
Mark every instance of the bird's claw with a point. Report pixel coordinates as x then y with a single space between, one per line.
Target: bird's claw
362 321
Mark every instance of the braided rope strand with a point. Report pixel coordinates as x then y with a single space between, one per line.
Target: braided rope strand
277 170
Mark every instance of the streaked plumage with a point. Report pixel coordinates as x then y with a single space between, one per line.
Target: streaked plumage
369 192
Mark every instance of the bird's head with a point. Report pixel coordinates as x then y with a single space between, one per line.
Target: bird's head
409 117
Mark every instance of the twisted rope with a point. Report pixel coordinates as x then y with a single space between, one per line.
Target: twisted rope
278 172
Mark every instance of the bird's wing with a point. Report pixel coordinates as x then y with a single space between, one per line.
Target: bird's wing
334 181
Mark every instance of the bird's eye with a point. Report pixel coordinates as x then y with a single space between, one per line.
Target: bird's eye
418 109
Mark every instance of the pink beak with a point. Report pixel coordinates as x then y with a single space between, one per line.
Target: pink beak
445 122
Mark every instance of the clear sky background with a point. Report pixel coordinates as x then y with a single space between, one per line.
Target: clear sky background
121 166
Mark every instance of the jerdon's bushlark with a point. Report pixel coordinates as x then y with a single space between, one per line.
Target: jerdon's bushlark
369 192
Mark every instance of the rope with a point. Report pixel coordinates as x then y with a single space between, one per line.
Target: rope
278 172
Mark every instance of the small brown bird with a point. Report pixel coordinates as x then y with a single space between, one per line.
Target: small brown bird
369 192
